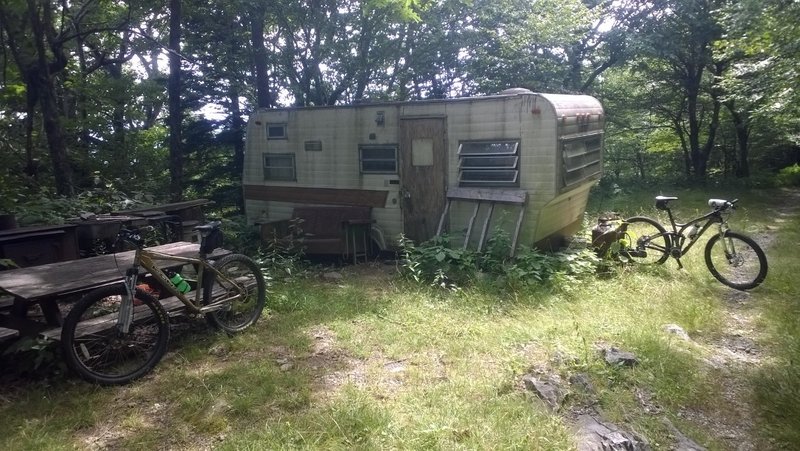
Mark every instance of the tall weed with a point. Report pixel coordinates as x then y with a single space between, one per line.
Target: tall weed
437 264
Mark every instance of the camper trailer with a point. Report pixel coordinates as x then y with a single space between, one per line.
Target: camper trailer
518 161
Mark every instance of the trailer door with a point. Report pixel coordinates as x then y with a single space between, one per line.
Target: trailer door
423 175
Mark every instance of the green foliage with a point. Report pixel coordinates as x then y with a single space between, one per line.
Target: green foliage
762 44
7 263
790 175
40 208
33 356
435 263
239 236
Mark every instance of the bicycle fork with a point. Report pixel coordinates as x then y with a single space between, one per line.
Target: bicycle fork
727 246
125 318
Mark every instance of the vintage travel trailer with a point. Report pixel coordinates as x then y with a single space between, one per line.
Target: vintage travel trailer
520 161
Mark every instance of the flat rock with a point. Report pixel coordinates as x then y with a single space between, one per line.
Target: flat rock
617 357
677 330
596 435
582 382
547 388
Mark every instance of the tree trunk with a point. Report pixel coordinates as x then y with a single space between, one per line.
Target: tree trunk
705 151
174 98
742 125
640 163
687 157
62 170
263 97
237 129
692 84
43 78
31 168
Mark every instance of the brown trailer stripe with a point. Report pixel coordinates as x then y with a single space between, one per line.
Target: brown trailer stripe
327 196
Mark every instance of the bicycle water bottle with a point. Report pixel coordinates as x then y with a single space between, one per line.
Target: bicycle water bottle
692 231
180 283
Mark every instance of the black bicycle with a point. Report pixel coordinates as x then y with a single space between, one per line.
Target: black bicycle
733 258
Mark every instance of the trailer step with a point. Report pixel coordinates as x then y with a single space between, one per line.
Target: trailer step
492 197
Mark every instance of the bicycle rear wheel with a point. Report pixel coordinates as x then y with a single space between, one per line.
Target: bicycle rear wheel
736 261
645 241
245 284
96 350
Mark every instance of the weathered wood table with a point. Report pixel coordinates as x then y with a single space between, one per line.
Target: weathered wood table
46 284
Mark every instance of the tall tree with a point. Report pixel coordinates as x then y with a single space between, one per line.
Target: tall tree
760 45
38 50
174 93
256 15
608 40
684 39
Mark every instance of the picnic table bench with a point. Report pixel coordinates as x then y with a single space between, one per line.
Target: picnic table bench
47 284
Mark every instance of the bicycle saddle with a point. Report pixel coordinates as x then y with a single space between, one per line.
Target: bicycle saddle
208 227
662 201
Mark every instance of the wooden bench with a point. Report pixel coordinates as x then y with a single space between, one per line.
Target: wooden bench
324 230
7 334
47 284
172 305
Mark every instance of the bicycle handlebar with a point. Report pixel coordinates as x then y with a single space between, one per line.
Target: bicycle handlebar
722 204
134 235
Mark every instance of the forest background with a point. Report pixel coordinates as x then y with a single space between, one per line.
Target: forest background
104 102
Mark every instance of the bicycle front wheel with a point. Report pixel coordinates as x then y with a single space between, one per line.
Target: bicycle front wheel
99 352
645 241
736 260
240 281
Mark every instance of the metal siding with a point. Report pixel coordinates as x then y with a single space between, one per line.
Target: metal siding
534 119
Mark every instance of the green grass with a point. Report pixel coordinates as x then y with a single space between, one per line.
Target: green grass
377 362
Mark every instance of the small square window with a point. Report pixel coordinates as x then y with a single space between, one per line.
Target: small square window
378 159
276 131
279 166
422 152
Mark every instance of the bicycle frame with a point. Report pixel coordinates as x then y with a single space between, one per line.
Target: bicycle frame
677 239
147 260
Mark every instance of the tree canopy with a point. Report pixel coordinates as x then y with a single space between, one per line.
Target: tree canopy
153 96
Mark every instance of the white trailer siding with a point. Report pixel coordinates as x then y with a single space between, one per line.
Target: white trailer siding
541 123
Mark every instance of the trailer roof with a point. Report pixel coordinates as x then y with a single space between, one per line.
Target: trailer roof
562 103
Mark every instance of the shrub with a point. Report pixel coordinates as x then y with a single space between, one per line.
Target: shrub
789 176
436 264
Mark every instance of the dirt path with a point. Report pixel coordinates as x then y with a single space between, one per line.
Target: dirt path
736 354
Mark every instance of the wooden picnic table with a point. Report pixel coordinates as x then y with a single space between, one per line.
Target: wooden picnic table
46 284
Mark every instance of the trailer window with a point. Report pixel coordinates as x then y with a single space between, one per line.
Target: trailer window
279 166
581 159
488 163
276 131
378 159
